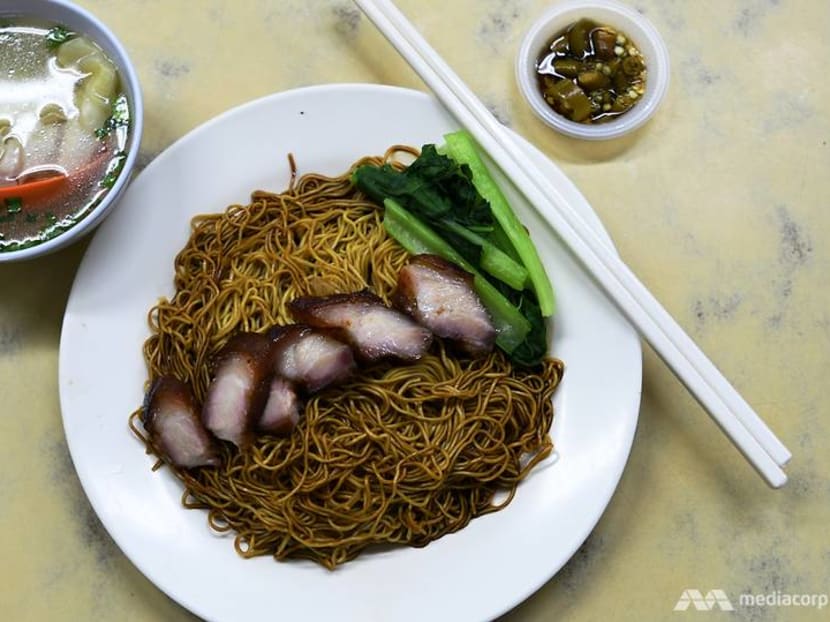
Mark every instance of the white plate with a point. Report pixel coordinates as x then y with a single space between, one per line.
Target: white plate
478 573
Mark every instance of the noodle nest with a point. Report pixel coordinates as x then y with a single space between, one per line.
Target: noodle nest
397 454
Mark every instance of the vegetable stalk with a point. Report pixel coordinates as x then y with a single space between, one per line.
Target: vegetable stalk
461 148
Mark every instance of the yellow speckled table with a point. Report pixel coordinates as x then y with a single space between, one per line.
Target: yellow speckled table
719 204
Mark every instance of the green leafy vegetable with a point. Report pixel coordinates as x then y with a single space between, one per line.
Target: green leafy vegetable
58 35
113 170
492 259
441 192
433 187
120 117
535 345
438 205
14 205
461 148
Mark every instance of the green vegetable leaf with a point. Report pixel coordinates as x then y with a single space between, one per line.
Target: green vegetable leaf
432 187
462 148
14 205
437 205
535 345
58 35
120 117
488 256
113 170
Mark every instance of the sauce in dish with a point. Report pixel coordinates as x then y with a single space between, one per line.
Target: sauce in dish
591 73
64 125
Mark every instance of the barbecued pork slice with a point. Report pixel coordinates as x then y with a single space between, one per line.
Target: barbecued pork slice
171 418
282 407
372 329
237 393
440 296
311 357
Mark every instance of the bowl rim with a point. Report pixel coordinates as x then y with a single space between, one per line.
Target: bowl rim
66 12
635 25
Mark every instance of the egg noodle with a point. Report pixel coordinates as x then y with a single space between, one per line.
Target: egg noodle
399 454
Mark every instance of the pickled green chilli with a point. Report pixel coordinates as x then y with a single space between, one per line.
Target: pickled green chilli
591 73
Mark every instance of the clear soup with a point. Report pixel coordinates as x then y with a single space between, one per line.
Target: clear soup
64 125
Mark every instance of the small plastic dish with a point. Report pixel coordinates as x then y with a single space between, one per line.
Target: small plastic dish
79 20
607 12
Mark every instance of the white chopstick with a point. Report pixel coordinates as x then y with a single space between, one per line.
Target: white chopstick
713 391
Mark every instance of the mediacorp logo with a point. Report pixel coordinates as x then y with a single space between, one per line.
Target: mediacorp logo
713 599
717 599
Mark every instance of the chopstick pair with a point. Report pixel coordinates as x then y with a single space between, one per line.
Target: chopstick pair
702 379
